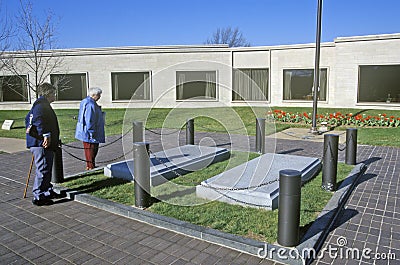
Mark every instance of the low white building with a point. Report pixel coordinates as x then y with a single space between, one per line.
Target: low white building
356 72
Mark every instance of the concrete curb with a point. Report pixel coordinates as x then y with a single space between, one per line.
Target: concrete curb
319 230
313 239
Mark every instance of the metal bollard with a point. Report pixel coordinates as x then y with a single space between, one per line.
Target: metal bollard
260 135
289 207
141 168
57 175
351 146
330 160
190 131
137 131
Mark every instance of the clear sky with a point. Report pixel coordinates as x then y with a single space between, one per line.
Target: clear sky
110 23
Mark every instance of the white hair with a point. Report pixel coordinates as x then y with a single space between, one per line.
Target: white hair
93 91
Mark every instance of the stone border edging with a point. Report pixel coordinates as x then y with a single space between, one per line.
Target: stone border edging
319 230
314 238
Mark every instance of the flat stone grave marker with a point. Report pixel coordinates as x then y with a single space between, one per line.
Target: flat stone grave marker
165 165
261 175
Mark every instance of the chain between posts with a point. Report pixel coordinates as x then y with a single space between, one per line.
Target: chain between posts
164 164
242 188
220 131
342 149
152 131
218 190
243 202
99 162
116 140
211 187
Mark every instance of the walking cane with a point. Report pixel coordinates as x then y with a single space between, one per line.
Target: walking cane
29 175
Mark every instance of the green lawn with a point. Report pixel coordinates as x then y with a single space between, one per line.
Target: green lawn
237 120
178 200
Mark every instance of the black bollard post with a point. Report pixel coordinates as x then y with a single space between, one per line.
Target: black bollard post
190 131
137 131
57 175
141 168
289 207
260 135
351 146
330 160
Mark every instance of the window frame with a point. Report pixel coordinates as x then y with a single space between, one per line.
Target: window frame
267 95
27 89
150 84
84 90
358 102
311 99
193 99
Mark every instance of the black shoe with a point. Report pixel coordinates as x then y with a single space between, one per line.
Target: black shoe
55 195
42 202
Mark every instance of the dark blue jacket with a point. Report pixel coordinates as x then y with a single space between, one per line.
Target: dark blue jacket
45 120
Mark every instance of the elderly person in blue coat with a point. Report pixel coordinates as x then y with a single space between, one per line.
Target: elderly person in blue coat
90 126
42 138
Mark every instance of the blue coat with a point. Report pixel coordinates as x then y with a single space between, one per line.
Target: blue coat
90 126
45 121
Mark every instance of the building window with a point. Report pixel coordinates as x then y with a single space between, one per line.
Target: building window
13 88
132 85
250 85
70 86
196 85
379 83
298 84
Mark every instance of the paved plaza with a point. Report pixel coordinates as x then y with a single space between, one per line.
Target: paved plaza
70 232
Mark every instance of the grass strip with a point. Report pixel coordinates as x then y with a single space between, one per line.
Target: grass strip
241 120
177 199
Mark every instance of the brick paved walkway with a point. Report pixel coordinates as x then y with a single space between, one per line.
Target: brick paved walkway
73 233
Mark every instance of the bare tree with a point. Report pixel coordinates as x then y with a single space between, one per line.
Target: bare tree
35 51
6 32
232 37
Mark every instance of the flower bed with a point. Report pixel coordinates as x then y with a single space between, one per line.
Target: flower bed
335 119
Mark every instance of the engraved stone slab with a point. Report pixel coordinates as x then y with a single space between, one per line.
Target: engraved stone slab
165 165
255 183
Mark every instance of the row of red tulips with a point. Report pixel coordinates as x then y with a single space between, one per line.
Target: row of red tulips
335 119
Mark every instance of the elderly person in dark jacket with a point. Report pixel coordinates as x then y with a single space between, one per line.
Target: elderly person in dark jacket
90 126
42 139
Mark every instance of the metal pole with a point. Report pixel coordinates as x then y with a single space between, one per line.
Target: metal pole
137 131
141 168
316 68
190 131
260 135
351 146
330 160
57 175
289 207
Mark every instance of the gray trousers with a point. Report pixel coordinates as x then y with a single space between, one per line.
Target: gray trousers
44 164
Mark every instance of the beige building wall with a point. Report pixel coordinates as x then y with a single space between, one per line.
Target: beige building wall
299 57
342 59
162 65
351 52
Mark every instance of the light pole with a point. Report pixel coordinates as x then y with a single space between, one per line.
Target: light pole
316 68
